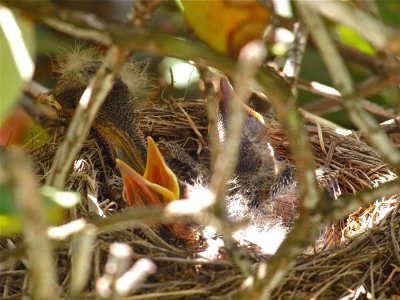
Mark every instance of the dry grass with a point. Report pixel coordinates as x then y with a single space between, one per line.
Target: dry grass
366 264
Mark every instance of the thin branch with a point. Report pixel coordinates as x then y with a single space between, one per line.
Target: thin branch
343 82
212 112
369 61
310 117
270 83
369 87
296 53
366 25
388 78
34 89
142 10
42 273
250 58
129 218
38 112
82 246
334 100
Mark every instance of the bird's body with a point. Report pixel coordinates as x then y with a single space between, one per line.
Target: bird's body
114 124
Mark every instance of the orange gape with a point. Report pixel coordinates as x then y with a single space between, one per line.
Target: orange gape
157 187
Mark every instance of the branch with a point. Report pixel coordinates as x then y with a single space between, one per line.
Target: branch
334 98
366 25
42 274
87 26
250 59
369 61
343 82
296 53
210 96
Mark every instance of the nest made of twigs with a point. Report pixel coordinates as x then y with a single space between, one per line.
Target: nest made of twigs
366 263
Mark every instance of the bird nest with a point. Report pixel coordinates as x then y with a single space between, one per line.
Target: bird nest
365 264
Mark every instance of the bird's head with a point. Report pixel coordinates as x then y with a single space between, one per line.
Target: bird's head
74 71
115 121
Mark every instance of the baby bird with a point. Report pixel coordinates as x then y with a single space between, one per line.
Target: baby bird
114 124
158 187
261 183
264 187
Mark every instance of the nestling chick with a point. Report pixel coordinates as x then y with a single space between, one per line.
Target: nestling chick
114 123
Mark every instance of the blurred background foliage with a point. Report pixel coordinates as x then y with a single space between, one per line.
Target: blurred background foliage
19 129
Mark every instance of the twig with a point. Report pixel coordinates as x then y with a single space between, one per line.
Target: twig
319 120
356 56
395 240
26 195
169 295
366 25
117 263
367 88
81 257
192 124
250 58
80 124
142 10
295 56
212 111
34 89
389 77
37 112
343 82
131 280
369 61
310 197
39 115
339 209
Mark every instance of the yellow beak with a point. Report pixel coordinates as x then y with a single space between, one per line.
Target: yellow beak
157 170
48 98
158 185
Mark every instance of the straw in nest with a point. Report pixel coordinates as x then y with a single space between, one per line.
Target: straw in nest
366 264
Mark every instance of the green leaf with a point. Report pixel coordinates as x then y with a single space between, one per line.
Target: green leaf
353 39
9 221
55 203
17 40
58 198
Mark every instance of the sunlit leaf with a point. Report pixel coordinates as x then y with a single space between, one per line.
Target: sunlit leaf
17 40
226 26
55 204
52 196
351 38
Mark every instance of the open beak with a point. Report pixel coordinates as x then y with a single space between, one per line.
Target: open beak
157 170
158 185
226 92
